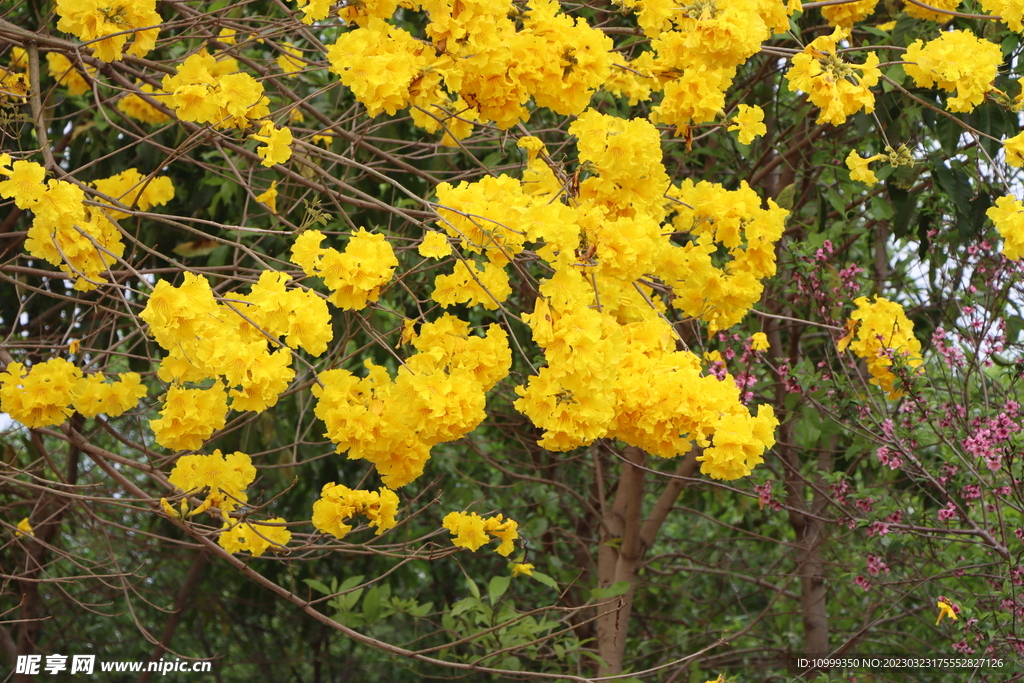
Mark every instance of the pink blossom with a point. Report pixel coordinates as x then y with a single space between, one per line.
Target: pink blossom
947 513
876 565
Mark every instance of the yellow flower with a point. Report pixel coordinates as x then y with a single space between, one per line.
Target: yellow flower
190 416
131 188
277 142
523 569
435 245
108 24
378 63
61 68
42 396
883 332
24 528
92 395
945 610
269 198
255 537
848 14
356 275
24 183
858 166
226 477
314 10
1008 217
831 83
759 341
940 17
339 503
1014 148
141 110
749 121
956 60
288 62
470 531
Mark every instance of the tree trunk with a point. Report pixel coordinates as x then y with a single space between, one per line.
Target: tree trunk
45 518
625 537
810 540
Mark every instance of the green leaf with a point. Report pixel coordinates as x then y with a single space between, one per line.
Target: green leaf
371 605
350 582
465 605
614 590
422 610
905 204
948 130
786 196
473 588
448 622
836 201
897 74
979 206
350 599
318 586
497 587
545 579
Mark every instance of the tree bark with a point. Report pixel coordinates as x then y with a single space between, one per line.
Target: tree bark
810 540
625 537
45 519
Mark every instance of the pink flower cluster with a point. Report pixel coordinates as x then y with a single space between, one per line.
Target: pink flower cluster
876 565
989 436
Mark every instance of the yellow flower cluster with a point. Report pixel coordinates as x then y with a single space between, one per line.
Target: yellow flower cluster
832 84
956 60
489 221
356 275
338 504
1008 216
612 368
1011 11
733 219
845 15
698 47
437 396
470 530
226 477
134 190
878 331
627 382
108 24
206 90
234 343
476 64
940 17
80 239
49 392
255 537
190 416
379 63
139 109
61 68
14 85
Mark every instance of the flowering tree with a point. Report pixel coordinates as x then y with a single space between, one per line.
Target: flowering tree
326 298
